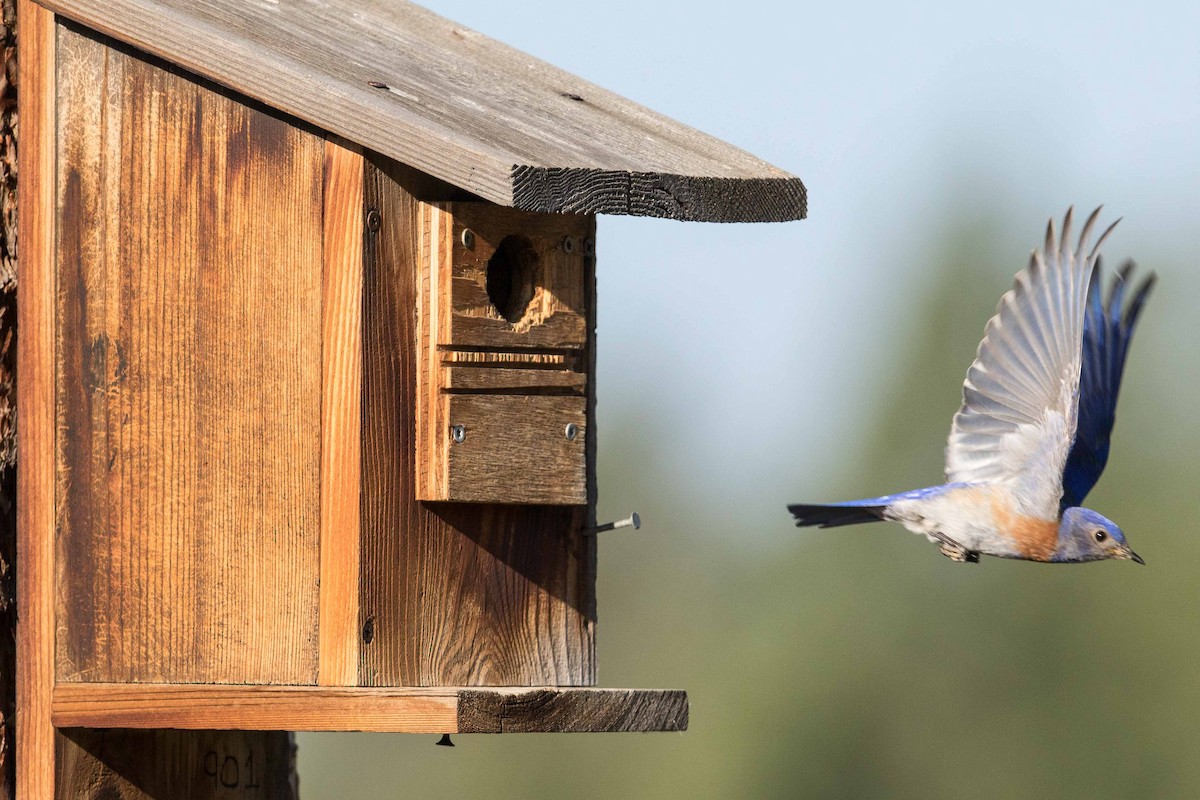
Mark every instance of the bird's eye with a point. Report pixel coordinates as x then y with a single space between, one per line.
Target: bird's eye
1100 535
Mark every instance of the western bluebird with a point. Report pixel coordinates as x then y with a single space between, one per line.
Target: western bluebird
1031 437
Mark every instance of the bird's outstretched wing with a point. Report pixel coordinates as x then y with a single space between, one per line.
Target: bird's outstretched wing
1020 398
1107 330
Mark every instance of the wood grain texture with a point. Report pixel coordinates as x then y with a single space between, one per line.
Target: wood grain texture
515 448
341 405
552 314
35 402
296 708
696 198
512 380
572 711
452 594
189 379
440 97
528 337
181 765
450 709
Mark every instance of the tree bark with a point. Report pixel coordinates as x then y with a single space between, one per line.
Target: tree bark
8 397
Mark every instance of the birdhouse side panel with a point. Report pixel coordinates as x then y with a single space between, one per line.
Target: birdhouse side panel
189 378
453 594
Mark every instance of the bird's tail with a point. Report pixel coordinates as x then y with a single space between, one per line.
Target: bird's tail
836 514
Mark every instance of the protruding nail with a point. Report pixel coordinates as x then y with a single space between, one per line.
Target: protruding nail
632 521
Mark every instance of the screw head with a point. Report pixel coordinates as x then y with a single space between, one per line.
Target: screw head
567 244
572 431
374 220
458 433
589 246
468 238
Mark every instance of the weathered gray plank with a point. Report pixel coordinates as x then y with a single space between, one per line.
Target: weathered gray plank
398 79
572 711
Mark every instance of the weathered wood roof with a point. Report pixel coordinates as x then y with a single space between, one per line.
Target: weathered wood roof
400 80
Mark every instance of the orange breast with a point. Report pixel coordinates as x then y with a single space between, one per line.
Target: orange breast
1035 539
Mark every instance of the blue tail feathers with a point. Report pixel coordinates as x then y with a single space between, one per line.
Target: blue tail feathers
854 512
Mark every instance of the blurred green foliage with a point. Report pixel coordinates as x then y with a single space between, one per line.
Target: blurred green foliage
860 663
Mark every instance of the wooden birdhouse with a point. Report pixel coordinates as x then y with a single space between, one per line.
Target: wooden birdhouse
307 363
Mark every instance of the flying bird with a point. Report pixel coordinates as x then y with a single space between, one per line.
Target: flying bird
1032 435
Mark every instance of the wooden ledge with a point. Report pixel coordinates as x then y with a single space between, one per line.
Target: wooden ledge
466 709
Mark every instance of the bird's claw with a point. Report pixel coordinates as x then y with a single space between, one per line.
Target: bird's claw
956 552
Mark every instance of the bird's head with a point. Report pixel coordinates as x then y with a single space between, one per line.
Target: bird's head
1084 535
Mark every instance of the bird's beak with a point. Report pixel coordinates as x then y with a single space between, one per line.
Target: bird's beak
1125 551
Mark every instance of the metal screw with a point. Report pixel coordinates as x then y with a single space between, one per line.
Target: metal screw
468 238
458 433
632 521
589 246
572 431
568 244
374 221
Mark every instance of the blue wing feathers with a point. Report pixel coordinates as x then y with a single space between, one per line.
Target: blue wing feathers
1107 331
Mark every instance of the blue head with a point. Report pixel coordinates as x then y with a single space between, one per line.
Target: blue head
1084 535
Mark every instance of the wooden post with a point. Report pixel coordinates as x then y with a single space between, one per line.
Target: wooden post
35 393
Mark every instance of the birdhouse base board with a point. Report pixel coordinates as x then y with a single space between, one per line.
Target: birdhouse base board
465 709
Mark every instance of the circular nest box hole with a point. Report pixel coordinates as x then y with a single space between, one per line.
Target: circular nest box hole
511 273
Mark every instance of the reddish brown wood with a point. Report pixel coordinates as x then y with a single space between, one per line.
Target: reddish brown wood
35 400
189 393
451 709
199 706
452 594
341 426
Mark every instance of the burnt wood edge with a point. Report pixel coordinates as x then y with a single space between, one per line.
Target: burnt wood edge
655 194
546 710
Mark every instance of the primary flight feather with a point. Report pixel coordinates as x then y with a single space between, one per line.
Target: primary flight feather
1031 437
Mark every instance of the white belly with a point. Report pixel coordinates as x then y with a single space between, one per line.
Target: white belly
966 515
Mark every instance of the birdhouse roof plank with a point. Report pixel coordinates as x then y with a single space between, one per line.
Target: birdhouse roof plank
400 80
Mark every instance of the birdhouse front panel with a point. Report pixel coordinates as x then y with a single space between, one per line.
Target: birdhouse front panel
457 593
502 401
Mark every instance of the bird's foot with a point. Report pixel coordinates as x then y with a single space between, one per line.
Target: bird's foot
956 552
